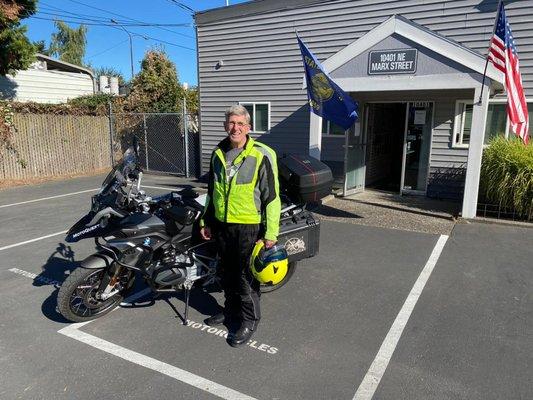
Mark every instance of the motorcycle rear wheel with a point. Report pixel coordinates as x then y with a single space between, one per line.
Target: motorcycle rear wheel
76 299
266 288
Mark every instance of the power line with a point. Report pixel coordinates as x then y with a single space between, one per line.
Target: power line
109 48
90 23
124 16
183 6
51 8
103 22
170 43
111 25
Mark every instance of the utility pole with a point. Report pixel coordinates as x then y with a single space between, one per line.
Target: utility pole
185 129
131 44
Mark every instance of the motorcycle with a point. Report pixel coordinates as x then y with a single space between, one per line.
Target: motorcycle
154 237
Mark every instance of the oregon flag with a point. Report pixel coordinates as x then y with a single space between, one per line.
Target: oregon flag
326 99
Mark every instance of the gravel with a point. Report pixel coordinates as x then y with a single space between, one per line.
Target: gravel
386 210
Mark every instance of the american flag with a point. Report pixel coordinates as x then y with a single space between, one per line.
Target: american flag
502 53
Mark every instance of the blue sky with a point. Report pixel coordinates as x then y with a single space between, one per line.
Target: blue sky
109 46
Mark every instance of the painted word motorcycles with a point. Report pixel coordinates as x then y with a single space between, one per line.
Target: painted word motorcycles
224 334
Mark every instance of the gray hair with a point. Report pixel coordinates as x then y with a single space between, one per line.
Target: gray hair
237 109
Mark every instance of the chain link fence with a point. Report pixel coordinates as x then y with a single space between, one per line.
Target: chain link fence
165 145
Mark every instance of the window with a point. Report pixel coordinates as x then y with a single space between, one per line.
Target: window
496 121
329 128
463 123
496 124
259 116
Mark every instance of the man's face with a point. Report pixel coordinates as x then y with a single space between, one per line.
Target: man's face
237 129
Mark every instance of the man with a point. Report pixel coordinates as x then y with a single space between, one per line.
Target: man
242 207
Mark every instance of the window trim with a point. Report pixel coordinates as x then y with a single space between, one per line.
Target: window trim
327 133
253 104
458 120
458 124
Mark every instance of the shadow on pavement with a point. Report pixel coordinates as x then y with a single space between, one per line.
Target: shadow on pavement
200 300
428 213
54 272
328 211
420 205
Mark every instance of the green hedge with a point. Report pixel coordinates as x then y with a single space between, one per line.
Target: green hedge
507 175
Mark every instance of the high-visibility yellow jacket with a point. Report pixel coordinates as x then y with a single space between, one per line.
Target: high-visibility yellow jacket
251 195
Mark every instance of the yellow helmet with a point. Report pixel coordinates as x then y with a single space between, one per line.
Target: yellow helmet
269 265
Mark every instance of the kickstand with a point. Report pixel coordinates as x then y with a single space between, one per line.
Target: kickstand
187 294
187 289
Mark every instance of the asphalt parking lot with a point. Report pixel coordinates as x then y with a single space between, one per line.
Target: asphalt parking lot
379 313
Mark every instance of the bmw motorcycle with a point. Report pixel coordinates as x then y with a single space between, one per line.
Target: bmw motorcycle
155 238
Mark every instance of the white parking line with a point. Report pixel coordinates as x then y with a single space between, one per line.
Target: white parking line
370 382
47 198
32 240
179 374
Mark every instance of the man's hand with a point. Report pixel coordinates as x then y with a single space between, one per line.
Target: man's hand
268 243
205 233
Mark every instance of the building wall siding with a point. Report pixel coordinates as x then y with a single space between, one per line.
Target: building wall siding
262 61
45 86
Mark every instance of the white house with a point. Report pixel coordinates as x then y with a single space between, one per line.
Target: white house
48 81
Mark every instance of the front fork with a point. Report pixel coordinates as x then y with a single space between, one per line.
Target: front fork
108 285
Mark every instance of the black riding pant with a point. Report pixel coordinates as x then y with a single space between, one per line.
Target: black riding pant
241 290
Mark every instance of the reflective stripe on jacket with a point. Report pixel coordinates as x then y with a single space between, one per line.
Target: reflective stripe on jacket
251 196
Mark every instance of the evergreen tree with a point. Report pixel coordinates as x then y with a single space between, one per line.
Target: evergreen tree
68 44
156 87
16 51
40 47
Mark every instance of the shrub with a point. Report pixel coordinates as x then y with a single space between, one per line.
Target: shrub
507 175
7 130
93 103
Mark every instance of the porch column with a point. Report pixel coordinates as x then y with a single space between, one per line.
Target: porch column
315 136
475 152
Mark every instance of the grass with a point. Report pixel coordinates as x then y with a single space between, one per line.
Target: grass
507 175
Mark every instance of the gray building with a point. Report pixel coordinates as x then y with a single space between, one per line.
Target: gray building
414 67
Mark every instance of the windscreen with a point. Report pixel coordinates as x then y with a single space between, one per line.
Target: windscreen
117 176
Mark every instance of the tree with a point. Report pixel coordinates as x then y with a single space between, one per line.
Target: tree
68 44
191 95
16 51
40 47
156 87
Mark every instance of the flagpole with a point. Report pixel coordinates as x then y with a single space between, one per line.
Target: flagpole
487 60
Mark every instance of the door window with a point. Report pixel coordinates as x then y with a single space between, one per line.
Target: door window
417 145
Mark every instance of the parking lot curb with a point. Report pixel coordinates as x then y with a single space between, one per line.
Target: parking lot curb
494 221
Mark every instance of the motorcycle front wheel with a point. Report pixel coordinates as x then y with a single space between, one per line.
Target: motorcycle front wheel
265 288
77 299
